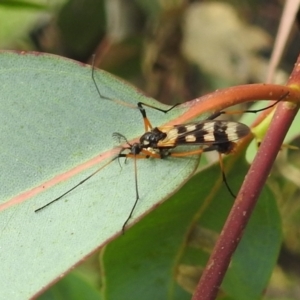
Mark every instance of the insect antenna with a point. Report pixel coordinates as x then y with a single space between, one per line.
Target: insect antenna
134 150
120 138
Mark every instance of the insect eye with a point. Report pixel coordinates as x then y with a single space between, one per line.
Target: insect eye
136 149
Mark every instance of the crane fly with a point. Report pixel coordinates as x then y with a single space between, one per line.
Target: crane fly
159 142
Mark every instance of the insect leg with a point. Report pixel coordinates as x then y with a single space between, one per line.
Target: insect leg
147 123
100 94
254 111
143 154
136 198
187 153
77 185
226 149
224 176
140 105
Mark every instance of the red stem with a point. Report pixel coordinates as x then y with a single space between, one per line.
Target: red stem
224 98
254 182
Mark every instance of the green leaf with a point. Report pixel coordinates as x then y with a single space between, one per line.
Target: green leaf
146 262
256 255
71 287
55 131
23 4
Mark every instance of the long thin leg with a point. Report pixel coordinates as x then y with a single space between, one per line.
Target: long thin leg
143 155
98 90
136 199
147 123
224 176
140 105
199 151
77 185
254 111
187 153
94 80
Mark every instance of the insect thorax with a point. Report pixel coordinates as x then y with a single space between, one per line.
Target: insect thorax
151 138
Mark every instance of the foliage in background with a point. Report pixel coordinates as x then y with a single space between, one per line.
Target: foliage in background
175 51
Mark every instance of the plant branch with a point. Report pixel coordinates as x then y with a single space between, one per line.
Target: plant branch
254 182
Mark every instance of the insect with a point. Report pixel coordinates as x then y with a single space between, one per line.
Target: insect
209 134
158 142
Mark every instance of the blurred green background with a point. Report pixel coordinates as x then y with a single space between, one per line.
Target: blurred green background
173 50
